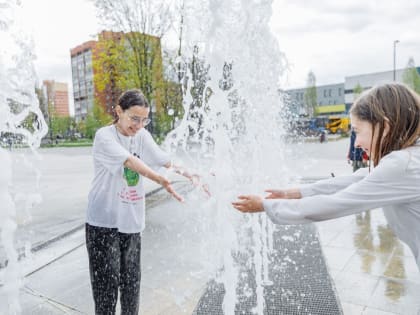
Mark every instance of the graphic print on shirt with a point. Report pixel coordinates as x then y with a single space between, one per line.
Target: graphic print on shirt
132 178
129 193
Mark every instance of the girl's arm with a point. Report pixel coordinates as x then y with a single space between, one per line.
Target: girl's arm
392 182
322 187
333 184
137 165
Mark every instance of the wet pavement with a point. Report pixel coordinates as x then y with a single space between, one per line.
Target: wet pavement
371 271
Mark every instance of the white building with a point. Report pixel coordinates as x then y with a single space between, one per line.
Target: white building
366 81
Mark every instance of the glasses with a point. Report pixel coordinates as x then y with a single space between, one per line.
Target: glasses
139 120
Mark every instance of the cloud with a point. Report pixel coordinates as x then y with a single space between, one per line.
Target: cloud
340 38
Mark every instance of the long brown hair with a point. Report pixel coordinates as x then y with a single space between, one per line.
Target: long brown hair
396 105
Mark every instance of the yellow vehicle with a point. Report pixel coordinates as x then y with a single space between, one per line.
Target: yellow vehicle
338 124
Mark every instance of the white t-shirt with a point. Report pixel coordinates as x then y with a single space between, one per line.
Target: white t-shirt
117 197
394 185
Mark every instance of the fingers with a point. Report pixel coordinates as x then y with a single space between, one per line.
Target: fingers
249 203
205 188
177 196
240 206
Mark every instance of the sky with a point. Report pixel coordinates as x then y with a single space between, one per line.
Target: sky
334 39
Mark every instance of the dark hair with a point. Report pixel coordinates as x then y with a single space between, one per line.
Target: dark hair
396 105
130 98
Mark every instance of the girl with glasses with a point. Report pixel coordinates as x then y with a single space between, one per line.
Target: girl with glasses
123 153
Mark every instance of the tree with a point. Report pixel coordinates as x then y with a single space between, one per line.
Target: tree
43 106
310 95
109 67
95 119
171 100
357 90
143 23
411 76
59 125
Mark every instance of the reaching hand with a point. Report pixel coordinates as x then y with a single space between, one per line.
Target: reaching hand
195 179
167 185
249 203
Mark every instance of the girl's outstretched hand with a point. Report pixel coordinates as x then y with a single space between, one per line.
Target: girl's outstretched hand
167 185
250 203
195 179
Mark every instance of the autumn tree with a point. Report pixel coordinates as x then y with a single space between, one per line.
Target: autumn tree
138 52
109 66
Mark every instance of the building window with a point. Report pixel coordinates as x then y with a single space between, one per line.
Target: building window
339 92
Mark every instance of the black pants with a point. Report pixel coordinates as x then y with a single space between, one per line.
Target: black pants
114 262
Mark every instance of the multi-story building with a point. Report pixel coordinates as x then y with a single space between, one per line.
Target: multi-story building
366 81
338 98
82 74
330 99
83 58
57 97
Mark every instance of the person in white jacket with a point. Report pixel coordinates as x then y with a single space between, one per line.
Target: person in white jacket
386 120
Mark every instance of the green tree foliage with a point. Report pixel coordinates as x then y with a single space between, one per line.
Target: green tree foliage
137 58
357 90
60 125
95 119
172 109
411 76
310 95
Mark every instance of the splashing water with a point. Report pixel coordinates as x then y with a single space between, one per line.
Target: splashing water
233 121
20 120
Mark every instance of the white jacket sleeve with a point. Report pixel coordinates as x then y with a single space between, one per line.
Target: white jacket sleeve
333 184
391 182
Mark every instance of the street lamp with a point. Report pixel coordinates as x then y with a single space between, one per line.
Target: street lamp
395 52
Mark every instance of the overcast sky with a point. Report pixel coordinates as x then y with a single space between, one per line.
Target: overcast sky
332 38
335 39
